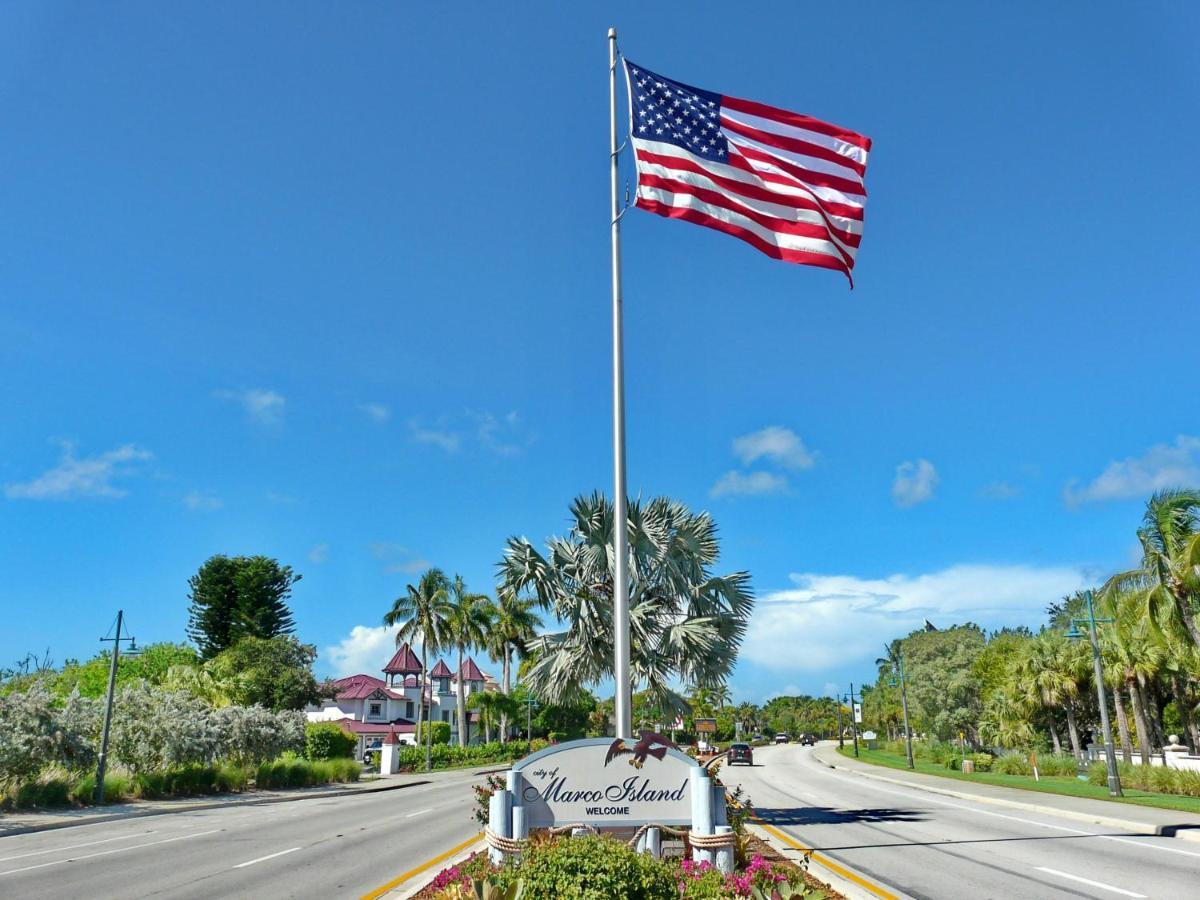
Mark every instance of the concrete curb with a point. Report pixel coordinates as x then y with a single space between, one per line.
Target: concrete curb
402 893
1185 834
197 807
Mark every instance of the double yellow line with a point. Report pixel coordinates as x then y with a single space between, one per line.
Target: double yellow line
428 864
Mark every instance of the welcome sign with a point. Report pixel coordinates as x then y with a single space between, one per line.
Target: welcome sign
607 783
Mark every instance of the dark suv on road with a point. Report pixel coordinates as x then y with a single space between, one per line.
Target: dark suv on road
740 753
807 740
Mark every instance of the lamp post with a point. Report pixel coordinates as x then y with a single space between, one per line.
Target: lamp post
853 720
898 667
102 762
1110 750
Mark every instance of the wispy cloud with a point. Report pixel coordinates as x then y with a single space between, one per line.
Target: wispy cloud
263 407
76 477
199 501
280 499
844 619
318 554
775 443
748 484
376 412
498 433
398 559
915 482
1000 490
447 440
1162 466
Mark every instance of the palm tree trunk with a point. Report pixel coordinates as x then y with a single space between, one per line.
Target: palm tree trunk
505 686
1185 711
1073 733
462 702
1151 702
1055 742
1123 725
423 682
1139 716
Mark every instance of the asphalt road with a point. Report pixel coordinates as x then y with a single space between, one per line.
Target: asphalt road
320 848
925 845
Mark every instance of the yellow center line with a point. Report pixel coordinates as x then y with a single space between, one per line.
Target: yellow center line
825 861
413 873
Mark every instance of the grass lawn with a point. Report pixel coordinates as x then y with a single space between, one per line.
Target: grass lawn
1071 787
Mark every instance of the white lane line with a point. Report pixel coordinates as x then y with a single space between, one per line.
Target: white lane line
419 812
77 846
925 798
265 858
59 862
1088 881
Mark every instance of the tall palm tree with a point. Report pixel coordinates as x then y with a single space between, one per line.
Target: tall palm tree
1168 580
1135 654
1050 670
421 614
1005 720
685 622
467 623
513 629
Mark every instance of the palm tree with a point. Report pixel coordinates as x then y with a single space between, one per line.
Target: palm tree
492 705
513 629
1005 720
467 624
421 614
1168 581
686 624
1050 670
1130 646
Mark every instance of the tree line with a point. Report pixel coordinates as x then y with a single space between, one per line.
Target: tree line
1020 690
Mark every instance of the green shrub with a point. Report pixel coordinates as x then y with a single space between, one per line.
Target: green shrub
983 761
445 756
285 773
595 868
1149 778
117 788
1062 764
1012 765
328 740
441 732
44 793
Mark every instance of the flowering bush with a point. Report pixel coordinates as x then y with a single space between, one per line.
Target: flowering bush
702 881
483 797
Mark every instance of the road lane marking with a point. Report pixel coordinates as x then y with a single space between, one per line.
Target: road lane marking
59 862
1088 881
265 858
986 812
419 812
412 873
77 846
825 861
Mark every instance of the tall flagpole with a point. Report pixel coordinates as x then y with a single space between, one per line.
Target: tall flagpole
621 674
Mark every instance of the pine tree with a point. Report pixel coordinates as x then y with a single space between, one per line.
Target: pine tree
236 597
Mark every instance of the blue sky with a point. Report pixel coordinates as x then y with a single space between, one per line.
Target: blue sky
329 283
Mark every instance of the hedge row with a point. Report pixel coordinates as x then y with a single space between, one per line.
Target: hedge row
448 756
1149 778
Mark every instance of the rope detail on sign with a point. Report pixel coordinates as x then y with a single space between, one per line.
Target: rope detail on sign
711 841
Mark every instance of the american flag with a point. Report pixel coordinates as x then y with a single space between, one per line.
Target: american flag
783 182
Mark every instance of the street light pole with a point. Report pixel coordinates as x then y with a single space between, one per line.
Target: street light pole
1110 750
837 701
102 762
853 720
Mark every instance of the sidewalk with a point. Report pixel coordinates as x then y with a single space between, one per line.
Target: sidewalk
26 821
1126 816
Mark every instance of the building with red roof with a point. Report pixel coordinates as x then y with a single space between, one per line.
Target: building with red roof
373 708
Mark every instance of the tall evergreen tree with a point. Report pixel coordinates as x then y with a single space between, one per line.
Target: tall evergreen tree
233 597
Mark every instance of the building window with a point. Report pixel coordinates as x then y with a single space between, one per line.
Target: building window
445 715
408 710
376 710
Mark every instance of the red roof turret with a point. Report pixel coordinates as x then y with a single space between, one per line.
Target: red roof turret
391 735
405 662
441 670
470 671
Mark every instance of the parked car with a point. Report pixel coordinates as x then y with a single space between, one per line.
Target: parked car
808 740
740 753
781 738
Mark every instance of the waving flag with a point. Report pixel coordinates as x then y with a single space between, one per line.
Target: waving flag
786 183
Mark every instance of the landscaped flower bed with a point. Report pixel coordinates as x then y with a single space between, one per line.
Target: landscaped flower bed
603 868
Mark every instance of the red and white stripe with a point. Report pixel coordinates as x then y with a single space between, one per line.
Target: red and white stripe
792 186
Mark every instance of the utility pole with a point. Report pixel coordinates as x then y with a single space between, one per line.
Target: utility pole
854 720
102 763
1110 750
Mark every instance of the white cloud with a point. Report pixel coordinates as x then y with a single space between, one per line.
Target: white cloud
376 412
776 443
262 406
398 559
87 477
497 433
1000 490
447 440
843 620
747 484
318 554
915 482
366 649
1162 466
198 501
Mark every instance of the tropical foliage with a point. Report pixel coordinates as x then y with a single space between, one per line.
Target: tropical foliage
236 597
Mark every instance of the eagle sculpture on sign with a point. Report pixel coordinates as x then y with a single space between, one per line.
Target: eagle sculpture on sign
649 743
